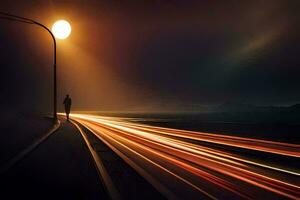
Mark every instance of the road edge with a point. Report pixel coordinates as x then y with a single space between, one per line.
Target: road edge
23 153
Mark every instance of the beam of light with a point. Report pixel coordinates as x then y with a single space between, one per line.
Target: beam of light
254 46
204 168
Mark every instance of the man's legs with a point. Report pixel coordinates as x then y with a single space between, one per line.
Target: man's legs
67 113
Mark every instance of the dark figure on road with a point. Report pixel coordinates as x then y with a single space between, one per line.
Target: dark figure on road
68 103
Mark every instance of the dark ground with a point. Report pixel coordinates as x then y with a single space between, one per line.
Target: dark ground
18 130
60 168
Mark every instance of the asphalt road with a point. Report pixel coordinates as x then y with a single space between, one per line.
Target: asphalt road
59 168
195 165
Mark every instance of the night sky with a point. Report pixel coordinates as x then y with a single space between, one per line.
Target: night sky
155 56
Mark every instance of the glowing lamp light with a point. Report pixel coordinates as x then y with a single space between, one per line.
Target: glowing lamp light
61 29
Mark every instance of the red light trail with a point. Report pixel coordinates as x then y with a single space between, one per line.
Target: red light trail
189 164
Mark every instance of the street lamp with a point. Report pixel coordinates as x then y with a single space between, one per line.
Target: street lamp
60 29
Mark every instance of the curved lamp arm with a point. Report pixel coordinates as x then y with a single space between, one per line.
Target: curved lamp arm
8 16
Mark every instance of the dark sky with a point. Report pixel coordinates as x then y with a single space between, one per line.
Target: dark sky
160 55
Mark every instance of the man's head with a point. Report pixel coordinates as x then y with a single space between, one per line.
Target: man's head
67 96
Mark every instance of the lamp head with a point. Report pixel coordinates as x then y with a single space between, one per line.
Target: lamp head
61 29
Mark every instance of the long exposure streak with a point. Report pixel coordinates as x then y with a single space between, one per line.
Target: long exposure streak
189 164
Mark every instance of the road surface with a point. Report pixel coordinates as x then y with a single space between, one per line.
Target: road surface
59 168
195 165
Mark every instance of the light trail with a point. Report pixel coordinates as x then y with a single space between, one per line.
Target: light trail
175 159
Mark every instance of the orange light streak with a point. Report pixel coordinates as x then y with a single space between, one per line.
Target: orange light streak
176 152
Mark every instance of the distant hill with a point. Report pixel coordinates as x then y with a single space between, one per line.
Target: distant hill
232 111
240 107
236 107
294 108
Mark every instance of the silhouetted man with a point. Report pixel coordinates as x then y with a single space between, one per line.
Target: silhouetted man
68 103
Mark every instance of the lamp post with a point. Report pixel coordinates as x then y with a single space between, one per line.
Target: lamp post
9 16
